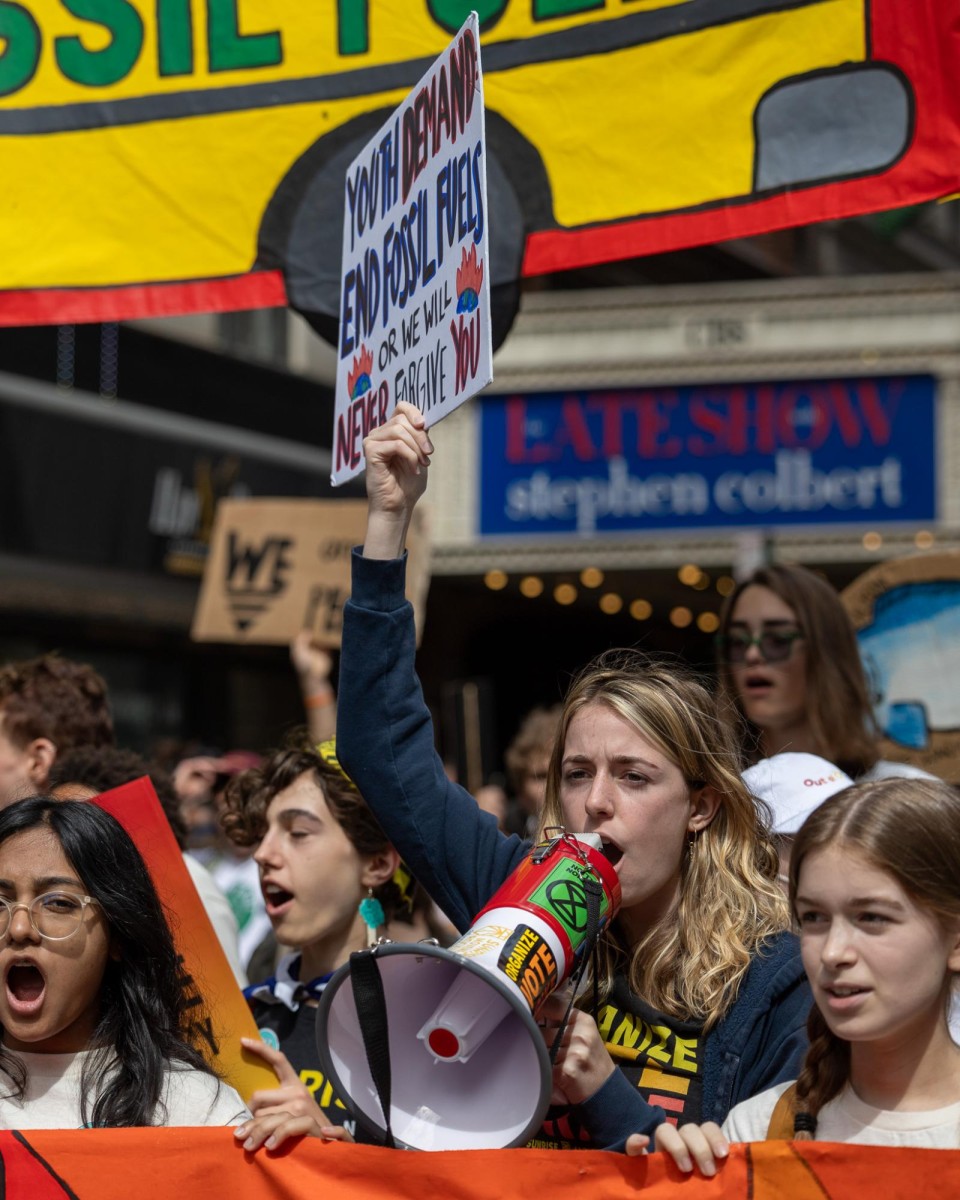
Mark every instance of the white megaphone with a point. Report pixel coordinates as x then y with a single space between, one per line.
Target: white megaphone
445 1052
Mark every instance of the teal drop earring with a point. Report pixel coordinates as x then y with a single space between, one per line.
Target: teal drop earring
371 910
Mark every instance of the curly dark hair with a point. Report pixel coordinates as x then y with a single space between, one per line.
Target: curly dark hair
103 768
247 797
52 697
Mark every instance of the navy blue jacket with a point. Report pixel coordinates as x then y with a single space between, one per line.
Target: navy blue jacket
385 743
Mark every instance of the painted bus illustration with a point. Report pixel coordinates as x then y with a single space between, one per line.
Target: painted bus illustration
201 145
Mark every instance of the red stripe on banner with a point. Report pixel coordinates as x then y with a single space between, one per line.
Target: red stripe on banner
68 306
560 250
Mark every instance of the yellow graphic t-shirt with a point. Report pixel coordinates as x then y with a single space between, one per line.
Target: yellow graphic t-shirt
660 1055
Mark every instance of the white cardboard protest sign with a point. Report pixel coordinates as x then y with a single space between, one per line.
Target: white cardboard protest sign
415 282
279 565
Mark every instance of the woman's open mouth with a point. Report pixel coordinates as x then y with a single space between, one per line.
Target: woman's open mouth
840 999
611 852
25 987
757 684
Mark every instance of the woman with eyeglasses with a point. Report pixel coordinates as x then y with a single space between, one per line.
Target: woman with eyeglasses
95 1010
788 658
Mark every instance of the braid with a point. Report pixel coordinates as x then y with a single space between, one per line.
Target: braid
826 1070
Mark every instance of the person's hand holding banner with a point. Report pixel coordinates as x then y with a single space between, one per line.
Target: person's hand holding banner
285 1112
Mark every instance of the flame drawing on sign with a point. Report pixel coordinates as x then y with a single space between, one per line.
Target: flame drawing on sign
358 379
469 281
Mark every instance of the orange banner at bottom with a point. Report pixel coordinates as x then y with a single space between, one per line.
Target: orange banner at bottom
195 1164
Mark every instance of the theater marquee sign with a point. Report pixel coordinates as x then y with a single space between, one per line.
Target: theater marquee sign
776 455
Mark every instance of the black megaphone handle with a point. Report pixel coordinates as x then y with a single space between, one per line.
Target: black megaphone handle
594 893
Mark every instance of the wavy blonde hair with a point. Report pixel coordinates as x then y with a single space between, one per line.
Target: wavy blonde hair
691 963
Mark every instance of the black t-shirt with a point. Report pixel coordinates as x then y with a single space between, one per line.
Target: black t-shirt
660 1055
295 1033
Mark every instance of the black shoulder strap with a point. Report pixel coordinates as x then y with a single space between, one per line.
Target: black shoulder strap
371 1004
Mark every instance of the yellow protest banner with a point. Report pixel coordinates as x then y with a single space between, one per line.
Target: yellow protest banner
169 156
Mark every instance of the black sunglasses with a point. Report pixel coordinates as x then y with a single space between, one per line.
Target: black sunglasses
774 644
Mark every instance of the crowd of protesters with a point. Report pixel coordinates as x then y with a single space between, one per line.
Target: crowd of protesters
782 963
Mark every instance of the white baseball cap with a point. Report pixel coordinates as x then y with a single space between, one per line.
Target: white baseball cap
793 785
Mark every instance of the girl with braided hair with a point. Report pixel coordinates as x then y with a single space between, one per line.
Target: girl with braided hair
875 887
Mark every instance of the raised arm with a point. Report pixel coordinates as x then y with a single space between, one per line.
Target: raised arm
313 666
385 735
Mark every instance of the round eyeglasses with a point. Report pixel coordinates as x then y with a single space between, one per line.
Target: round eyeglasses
774 644
54 915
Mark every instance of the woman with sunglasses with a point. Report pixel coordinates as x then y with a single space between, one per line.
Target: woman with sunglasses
96 1014
788 658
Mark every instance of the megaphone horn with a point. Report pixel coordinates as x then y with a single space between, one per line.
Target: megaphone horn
465 1064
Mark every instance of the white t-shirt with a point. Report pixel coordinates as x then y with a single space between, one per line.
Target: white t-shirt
52 1096
220 913
846 1118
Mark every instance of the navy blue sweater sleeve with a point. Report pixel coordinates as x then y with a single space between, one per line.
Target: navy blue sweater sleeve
385 743
616 1111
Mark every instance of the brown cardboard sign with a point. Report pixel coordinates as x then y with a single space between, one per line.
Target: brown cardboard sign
907 616
277 566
